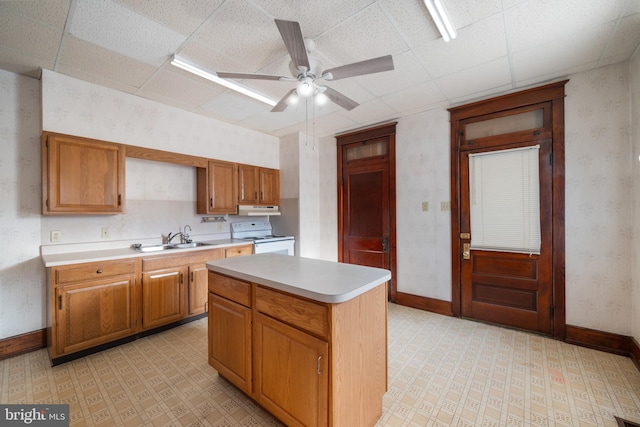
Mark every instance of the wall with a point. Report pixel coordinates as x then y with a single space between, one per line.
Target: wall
599 216
22 302
160 198
634 86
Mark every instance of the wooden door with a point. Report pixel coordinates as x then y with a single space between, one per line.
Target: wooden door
162 297
197 288
292 373
494 284
366 205
94 312
248 184
230 341
217 188
269 186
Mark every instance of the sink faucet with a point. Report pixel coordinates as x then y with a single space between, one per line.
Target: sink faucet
184 236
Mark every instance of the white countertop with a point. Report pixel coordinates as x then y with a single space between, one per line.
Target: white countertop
57 259
324 281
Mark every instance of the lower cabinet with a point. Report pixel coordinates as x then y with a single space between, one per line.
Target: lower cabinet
95 303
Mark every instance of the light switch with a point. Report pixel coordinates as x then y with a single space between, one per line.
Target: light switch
425 206
56 235
445 206
105 232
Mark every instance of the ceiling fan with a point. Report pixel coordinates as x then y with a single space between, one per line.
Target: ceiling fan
307 70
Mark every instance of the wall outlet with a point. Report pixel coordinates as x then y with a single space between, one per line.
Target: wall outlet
220 226
56 236
104 232
445 206
425 206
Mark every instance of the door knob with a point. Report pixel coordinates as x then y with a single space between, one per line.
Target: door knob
466 251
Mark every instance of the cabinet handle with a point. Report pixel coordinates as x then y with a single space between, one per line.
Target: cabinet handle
318 366
192 276
99 271
206 306
211 202
119 199
59 302
256 195
181 278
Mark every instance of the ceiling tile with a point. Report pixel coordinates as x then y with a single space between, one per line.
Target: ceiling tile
407 72
210 59
625 40
23 36
420 97
537 22
185 90
366 35
117 28
19 63
240 30
476 44
233 107
482 77
184 16
81 74
412 20
51 12
467 12
371 112
106 64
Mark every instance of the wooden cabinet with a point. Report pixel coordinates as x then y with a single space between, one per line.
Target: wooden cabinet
258 186
238 251
217 188
306 362
229 340
81 175
91 304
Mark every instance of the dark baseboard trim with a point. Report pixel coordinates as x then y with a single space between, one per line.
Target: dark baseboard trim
24 343
603 341
32 341
423 303
634 352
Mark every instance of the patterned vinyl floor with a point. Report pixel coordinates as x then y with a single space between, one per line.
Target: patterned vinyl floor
442 372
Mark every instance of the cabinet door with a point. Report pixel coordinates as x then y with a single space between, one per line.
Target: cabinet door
269 186
248 184
230 341
94 312
217 188
291 373
197 289
81 175
162 296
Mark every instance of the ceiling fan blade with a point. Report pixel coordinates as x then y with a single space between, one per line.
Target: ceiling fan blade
370 66
282 104
293 40
340 99
224 75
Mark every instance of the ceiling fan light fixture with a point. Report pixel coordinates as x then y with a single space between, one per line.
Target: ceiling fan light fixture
305 88
189 66
321 99
441 19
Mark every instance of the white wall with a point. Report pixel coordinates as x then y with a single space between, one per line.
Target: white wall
599 190
22 301
634 86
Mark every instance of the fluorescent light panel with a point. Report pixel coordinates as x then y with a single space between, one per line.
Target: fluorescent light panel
211 76
441 18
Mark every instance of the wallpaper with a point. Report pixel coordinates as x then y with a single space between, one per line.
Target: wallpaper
22 302
634 86
599 185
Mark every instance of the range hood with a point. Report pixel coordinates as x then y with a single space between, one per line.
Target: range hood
248 210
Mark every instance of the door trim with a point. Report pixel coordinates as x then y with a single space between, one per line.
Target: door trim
553 93
388 129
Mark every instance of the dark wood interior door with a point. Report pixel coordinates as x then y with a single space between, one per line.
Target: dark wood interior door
506 287
366 199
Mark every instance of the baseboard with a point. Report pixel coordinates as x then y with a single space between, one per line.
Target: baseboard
634 353
604 341
423 303
24 343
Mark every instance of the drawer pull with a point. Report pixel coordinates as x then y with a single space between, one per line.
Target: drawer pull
318 366
99 271
59 302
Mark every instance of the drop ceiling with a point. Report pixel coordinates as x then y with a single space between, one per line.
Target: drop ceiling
502 46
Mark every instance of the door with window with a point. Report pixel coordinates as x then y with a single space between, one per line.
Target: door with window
366 205
507 256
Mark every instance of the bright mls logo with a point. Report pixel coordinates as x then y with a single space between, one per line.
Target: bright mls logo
34 415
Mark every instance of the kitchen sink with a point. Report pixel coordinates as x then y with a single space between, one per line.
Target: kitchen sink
166 247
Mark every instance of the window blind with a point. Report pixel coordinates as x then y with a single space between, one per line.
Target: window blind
504 191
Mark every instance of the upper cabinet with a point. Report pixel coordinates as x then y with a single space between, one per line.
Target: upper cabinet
258 186
81 175
217 188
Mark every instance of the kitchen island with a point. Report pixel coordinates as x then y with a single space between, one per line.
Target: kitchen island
305 338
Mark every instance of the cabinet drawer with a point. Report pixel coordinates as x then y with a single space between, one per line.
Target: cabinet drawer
94 270
238 251
231 289
309 316
158 262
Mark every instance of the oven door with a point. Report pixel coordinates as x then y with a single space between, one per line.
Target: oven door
280 247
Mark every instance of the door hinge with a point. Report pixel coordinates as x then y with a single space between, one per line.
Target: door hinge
551 159
552 310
